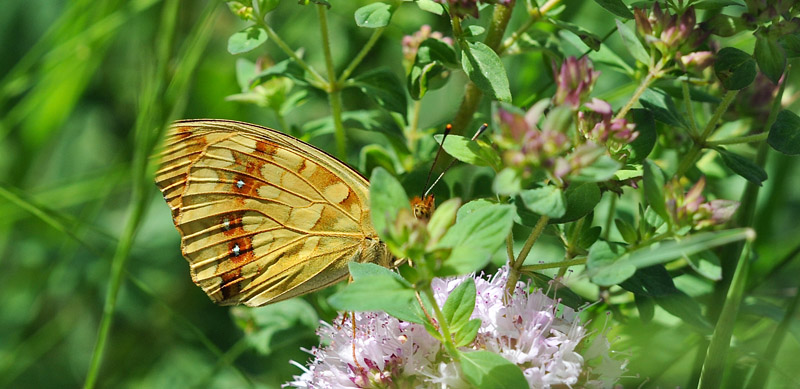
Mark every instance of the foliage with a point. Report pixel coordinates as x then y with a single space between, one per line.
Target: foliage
639 155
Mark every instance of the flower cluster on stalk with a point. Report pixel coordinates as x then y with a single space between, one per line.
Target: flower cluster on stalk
533 141
675 36
545 339
690 209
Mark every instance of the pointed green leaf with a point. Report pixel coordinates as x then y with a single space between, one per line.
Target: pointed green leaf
735 68
382 86
485 369
770 57
548 200
374 15
581 198
468 332
376 288
460 304
743 166
386 198
616 7
246 40
653 183
484 68
632 43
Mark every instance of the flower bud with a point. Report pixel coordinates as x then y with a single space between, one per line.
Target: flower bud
574 82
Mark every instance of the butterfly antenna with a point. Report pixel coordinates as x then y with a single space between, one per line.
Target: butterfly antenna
478 133
447 130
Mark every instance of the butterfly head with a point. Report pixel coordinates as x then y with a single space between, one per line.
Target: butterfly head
423 207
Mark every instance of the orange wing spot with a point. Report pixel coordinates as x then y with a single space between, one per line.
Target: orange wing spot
322 178
241 251
230 283
183 132
232 224
423 208
350 202
267 148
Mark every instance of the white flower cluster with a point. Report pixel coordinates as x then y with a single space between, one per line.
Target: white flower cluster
532 331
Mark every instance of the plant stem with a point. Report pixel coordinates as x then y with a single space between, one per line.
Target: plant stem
320 81
361 54
513 269
443 327
652 75
714 365
553 265
739 139
700 142
689 109
535 15
333 87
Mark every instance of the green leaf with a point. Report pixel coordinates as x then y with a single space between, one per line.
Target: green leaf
262 7
602 169
589 39
476 152
627 231
616 7
735 68
468 332
791 44
382 86
784 135
374 155
460 304
743 166
484 68
374 15
707 264
434 50
430 6
604 265
423 78
246 40
646 140
485 369
632 43
581 198
646 307
662 106
655 282
507 182
472 206
605 271
653 183
548 200
285 68
475 237
770 57
265 327
376 288
443 218
386 198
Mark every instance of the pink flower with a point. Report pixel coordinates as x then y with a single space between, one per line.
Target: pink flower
545 339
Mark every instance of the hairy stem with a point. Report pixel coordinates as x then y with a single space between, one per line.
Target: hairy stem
699 143
652 75
513 269
361 54
319 81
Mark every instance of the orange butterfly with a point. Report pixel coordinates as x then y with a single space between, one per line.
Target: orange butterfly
264 217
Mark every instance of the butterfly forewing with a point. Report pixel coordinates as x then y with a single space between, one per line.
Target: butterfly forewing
263 217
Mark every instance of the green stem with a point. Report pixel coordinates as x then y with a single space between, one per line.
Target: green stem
689 109
714 365
535 15
699 143
413 127
333 87
361 54
739 139
652 75
320 81
553 265
443 327
513 269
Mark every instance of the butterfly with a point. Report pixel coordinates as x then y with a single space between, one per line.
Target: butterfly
263 216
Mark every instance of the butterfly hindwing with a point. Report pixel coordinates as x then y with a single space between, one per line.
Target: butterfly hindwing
263 217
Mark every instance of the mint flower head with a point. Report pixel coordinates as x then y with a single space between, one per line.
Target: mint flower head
545 339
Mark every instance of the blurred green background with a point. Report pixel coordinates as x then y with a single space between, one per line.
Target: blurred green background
85 85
